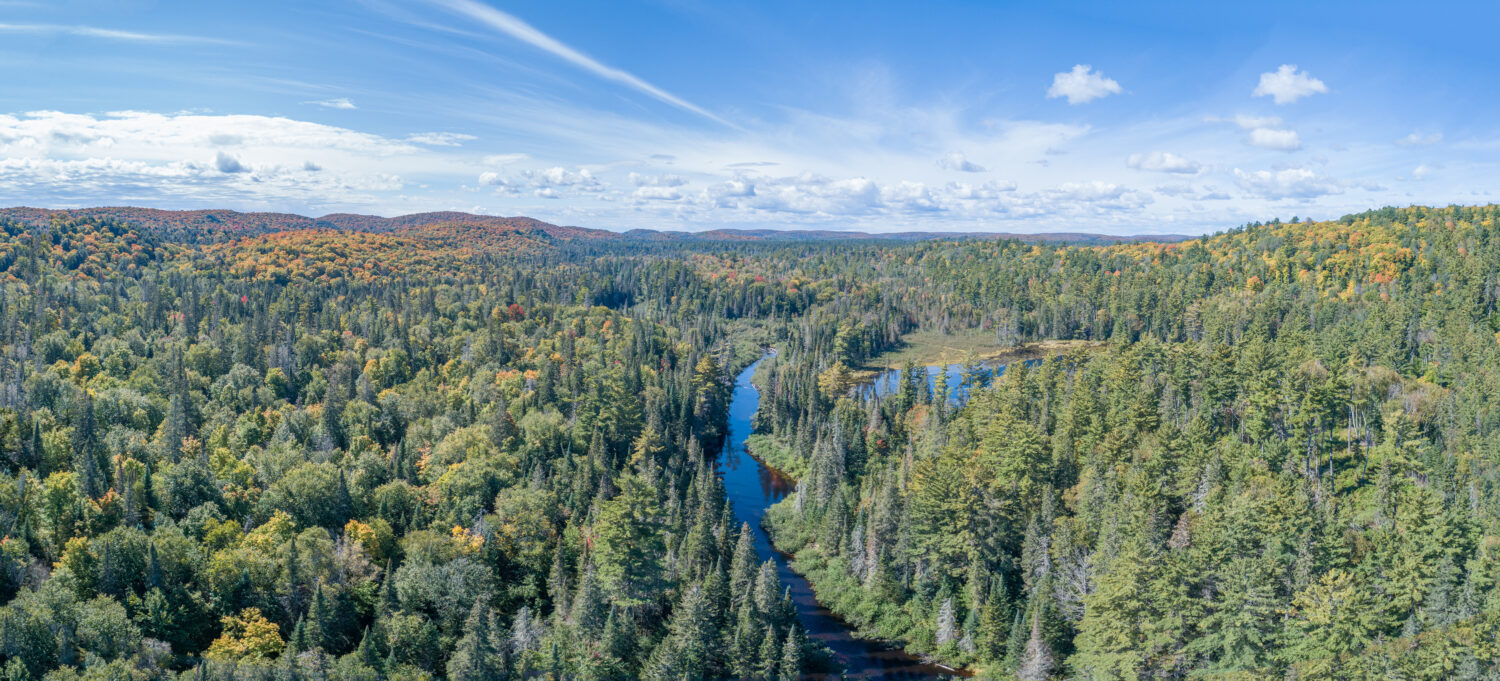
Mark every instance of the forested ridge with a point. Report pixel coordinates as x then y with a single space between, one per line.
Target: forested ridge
476 449
1282 465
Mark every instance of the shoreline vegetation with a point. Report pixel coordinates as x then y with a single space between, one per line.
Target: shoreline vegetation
766 451
925 349
929 349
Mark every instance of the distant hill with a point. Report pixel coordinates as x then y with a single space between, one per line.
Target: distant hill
1083 238
470 230
184 226
212 226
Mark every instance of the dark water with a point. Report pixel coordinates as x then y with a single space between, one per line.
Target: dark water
889 381
753 488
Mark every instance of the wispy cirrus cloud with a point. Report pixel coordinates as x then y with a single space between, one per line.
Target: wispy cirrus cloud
520 30
112 34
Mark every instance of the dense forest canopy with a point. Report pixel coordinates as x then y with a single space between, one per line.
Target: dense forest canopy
255 446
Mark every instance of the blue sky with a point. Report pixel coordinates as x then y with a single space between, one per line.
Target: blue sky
879 116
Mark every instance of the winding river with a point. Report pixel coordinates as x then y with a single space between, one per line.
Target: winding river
752 488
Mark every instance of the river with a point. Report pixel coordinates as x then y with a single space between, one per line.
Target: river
752 488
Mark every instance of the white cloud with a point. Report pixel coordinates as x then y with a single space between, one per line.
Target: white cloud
1281 140
1287 85
56 158
562 177
1422 171
1291 183
111 34
1192 193
520 30
1081 85
504 159
1253 122
657 193
640 180
228 164
733 188
337 103
810 193
988 191
544 183
1416 139
956 161
1163 162
440 139
913 197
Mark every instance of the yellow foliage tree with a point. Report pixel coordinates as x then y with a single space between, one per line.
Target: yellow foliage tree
248 635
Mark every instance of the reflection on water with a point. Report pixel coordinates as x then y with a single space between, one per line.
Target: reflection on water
752 488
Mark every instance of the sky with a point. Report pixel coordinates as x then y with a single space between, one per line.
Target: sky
1108 117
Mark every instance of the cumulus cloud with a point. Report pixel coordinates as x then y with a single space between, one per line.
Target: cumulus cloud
343 103
544 183
913 197
1081 85
252 161
1269 138
988 191
1422 171
811 197
657 193
562 177
1291 183
956 161
1286 85
228 164
1163 162
811 193
1266 132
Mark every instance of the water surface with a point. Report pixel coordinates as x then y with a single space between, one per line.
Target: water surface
752 488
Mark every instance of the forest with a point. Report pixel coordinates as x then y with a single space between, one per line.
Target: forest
256 446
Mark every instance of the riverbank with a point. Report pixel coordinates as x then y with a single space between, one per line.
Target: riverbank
870 616
753 488
862 607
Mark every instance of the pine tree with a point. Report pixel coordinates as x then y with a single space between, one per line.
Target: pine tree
474 658
790 666
688 648
769 657
176 427
85 444
994 624
630 544
743 566
1036 663
947 623
321 621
